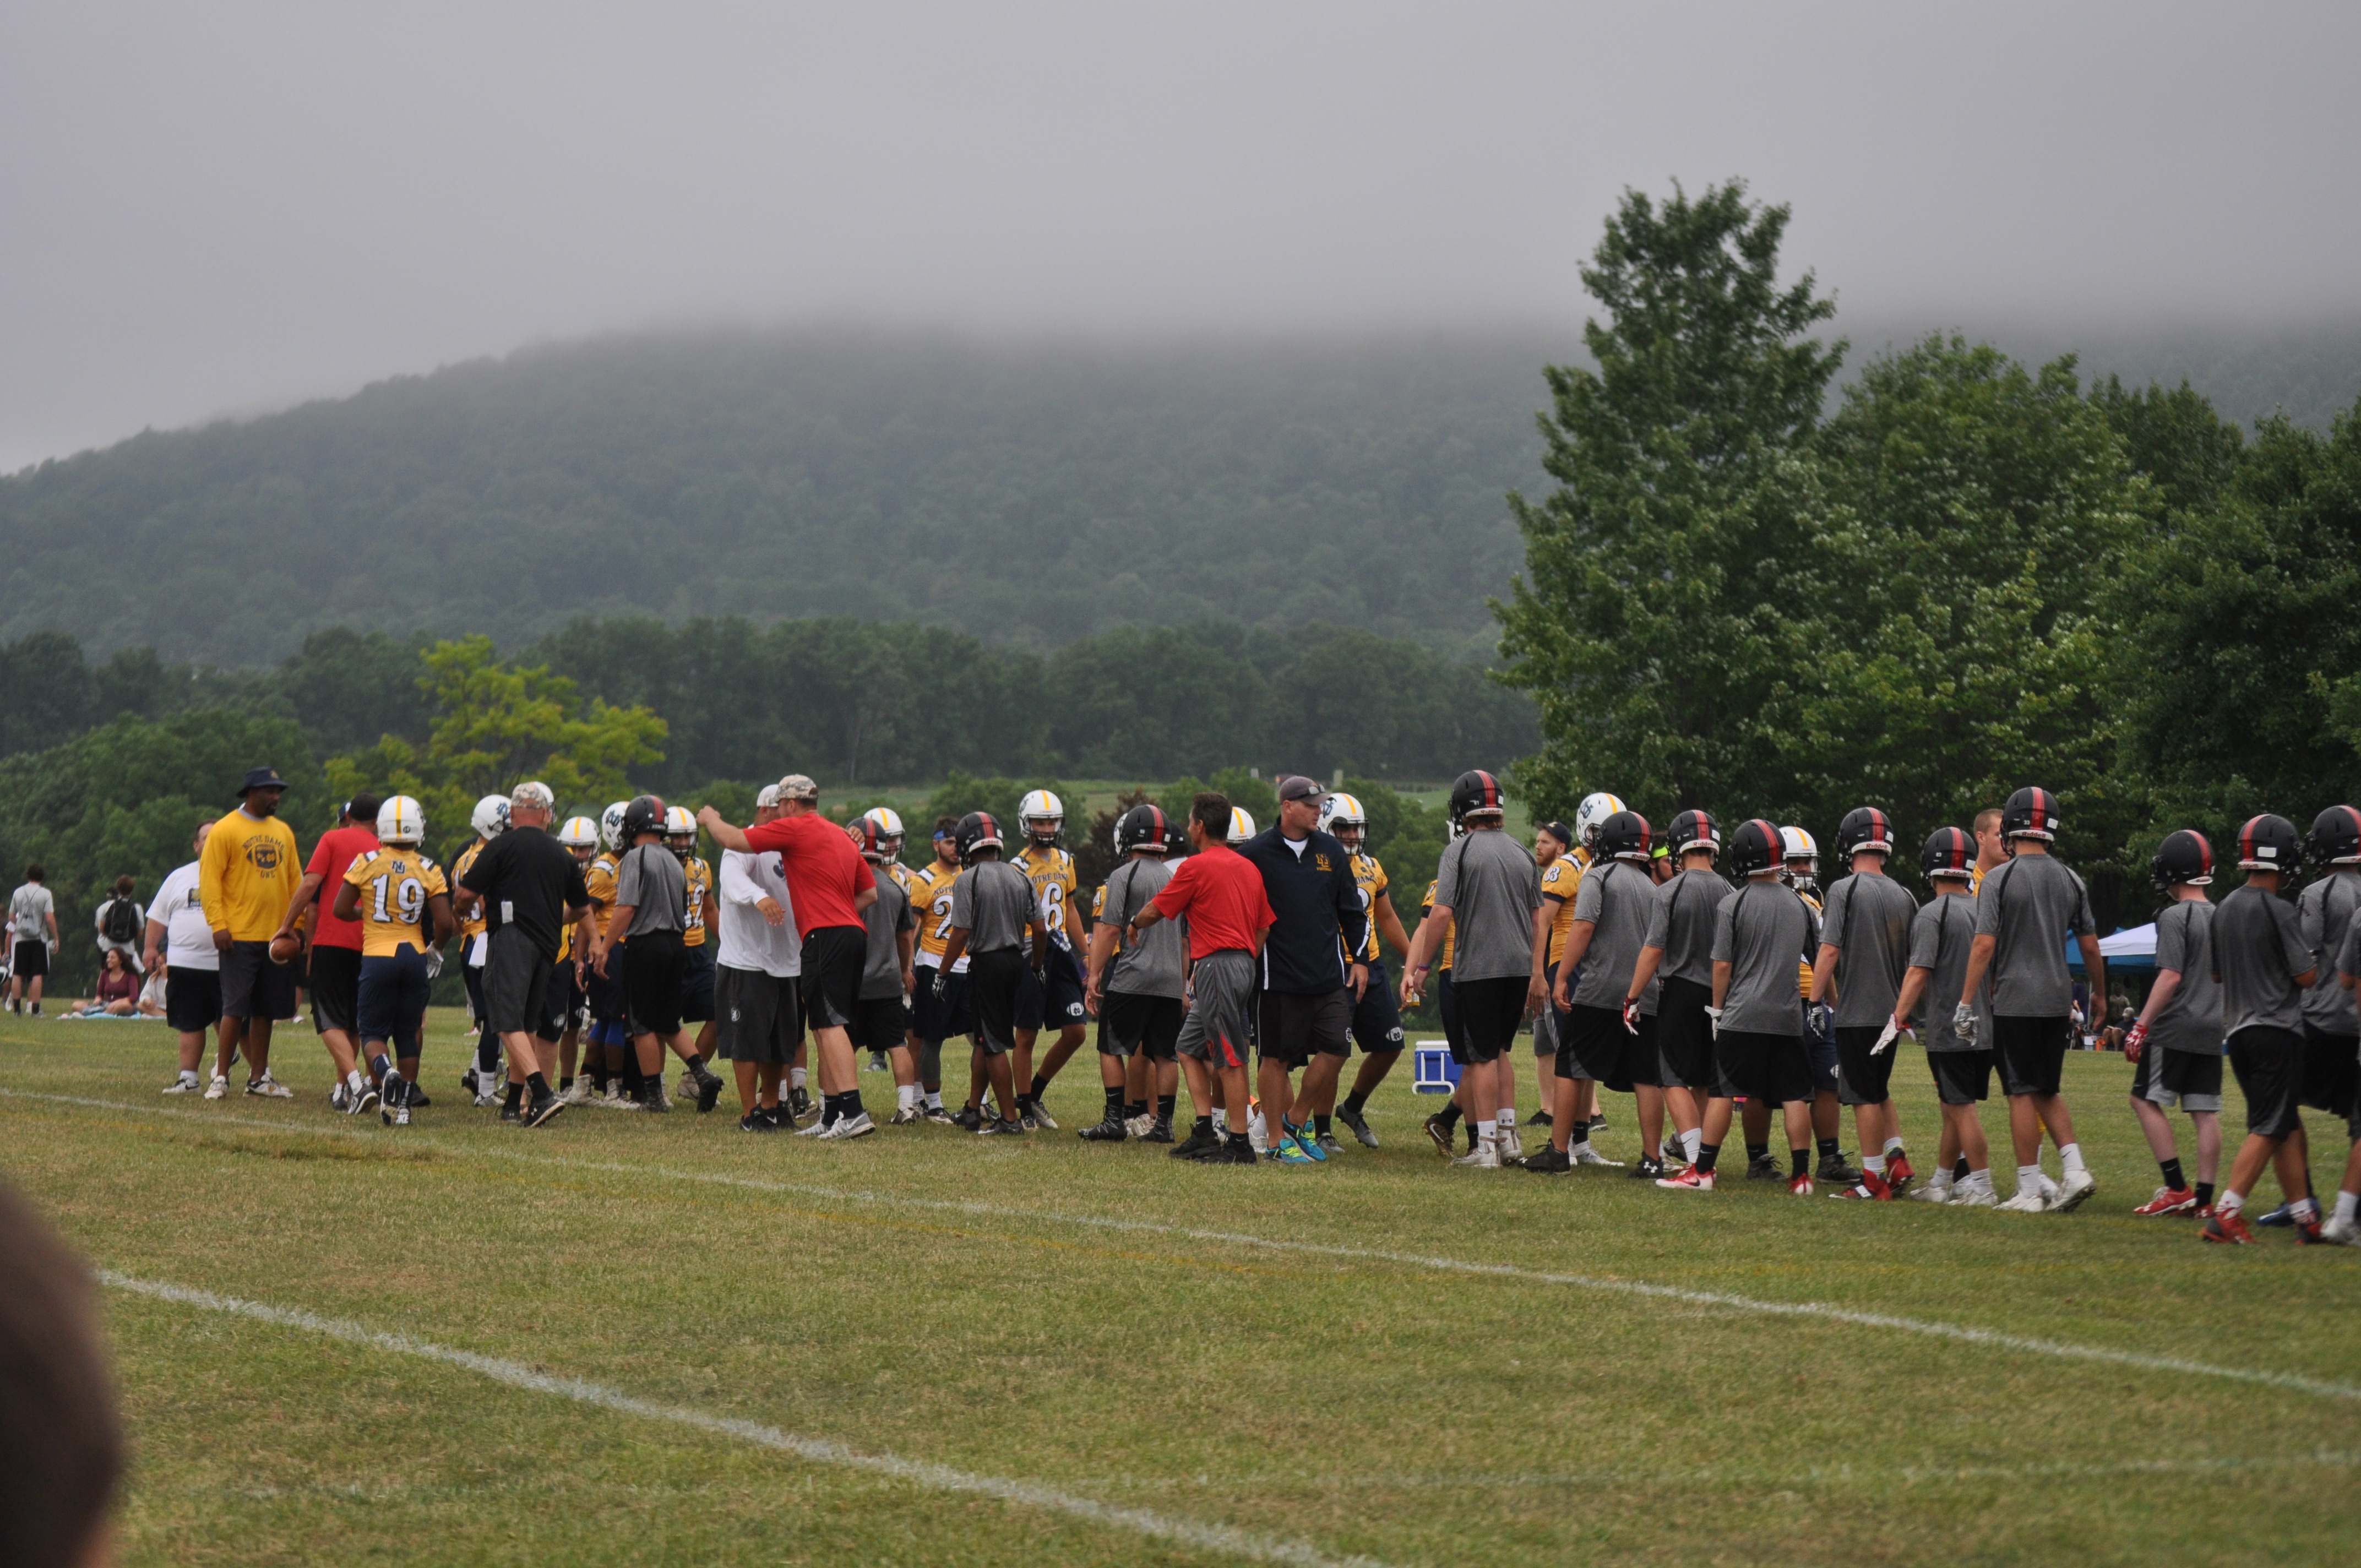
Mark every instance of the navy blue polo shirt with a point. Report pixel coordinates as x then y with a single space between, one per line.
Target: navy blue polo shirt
1318 908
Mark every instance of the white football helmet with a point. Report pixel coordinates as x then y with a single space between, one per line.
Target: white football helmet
1241 826
400 821
1341 815
1592 815
1800 855
490 818
679 823
888 820
579 833
611 824
1041 817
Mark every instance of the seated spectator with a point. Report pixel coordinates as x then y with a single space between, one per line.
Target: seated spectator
151 995
118 990
121 923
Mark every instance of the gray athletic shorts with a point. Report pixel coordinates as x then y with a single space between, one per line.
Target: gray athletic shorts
1219 1027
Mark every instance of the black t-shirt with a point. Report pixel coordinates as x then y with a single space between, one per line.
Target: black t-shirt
530 880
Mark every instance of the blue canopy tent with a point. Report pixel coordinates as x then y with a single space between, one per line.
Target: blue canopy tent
2132 949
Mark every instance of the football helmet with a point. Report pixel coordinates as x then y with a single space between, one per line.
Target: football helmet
1865 830
2031 813
1696 830
1624 836
866 838
1949 852
2183 857
679 823
401 820
1755 847
1476 793
1594 811
1241 827
1341 818
579 833
642 814
2335 838
889 825
1141 827
1176 838
1799 858
490 817
1041 817
611 824
977 831
2267 843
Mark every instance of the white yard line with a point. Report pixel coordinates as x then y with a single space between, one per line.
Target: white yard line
1717 1301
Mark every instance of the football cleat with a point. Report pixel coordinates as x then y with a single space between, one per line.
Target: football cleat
269 1088
1838 1171
904 1116
1159 1131
1328 1144
2341 1233
1038 1115
1358 1125
1436 1130
938 1113
2028 1199
2169 1201
1648 1168
1200 1142
2229 1230
1583 1153
1548 1162
1898 1174
2277 1219
1484 1157
1288 1153
1689 1181
2070 1193
545 1107
1763 1169
857 1126
1870 1188
800 1103
1110 1131
1800 1187
182 1086
1512 1147
1980 1196
969 1119
996 1128
1303 1144
1933 1192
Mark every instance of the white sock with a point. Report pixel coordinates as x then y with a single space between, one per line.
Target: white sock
354 1081
189 1075
1874 1163
1940 1181
1508 1115
2308 1209
2228 1203
1979 1181
2346 1202
798 1078
1220 1119
1690 1142
2028 1178
906 1096
1485 1132
2070 1157
1892 1145
934 1099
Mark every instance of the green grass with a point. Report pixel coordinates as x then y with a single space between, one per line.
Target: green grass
924 1295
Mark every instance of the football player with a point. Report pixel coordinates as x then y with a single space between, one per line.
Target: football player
2174 1045
568 1004
2331 1029
1376 1016
1677 955
1053 991
938 1013
651 904
1758 1004
1800 868
1609 1015
485 1077
996 923
1135 988
696 950
614 1072
403 903
882 1012
1864 953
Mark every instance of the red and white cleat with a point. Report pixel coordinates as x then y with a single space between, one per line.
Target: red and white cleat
1689 1181
2169 1201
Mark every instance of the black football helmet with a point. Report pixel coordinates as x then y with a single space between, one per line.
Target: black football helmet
1865 830
866 838
2031 813
2335 838
1949 852
977 831
1476 793
642 814
2184 856
2267 844
1141 827
1755 847
1624 836
1696 830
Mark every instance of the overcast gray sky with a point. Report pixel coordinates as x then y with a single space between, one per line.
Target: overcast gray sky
229 207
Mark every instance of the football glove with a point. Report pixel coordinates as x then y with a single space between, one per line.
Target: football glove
1632 1013
942 984
1713 1015
1963 1023
433 963
2134 1042
1817 1016
1886 1036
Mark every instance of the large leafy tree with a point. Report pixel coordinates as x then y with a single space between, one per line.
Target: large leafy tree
1653 621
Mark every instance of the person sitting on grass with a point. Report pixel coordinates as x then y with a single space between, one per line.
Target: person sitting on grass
118 990
153 995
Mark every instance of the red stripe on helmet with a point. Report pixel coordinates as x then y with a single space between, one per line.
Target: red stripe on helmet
2247 838
1877 825
1491 789
2205 854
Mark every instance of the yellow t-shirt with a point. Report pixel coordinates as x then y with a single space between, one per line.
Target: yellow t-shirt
395 886
1561 880
1370 877
1051 872
598 877
248 875
700 899
1448 932
470 926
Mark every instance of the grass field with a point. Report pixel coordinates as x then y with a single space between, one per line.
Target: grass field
633 1340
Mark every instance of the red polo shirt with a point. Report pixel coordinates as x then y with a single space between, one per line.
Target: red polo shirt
825 872
338 848
1222 894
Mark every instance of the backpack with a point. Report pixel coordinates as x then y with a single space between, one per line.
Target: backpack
122 923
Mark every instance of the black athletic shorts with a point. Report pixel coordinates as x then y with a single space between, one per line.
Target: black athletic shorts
1774 1068
192 998
880 1024
936 1019
253 987
834 957
1597 1046
1130 1023
1053 999
1862 1079
652 966
1377 1026
2189 1079
2030 1053
696 982
1489 1011
516 982
604 993
392 999
994 980
30 960
1961 1077
2270 1065
2330 1071
1293 1028
336 988
758 1017
560 1001
1446 1006
1684 1035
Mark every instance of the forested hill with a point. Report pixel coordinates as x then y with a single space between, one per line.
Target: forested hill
1030 496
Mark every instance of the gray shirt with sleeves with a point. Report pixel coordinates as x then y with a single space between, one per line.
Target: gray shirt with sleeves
2326 912
886 920
1681 922
2191 1018
1868 919
993 901
1155 962
656 885
1761 931
1492 886
1617 899
1942 935
2259 951
2031 904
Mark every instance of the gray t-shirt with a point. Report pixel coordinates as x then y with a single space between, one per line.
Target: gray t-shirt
1868 920
2326 913
1681 922
25 907
1492 886
1155 963
1618 898
880 968
2258 949
1942 935
1760 931
993 901
2032 905
656 886
2191 1018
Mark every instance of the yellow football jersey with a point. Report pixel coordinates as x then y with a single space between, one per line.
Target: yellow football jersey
905 879
470 926
395 885
1448 931
931 899
1051 872
598 877
1370 877
700 899
1806 965
1561 880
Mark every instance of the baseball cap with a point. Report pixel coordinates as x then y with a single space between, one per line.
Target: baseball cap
796 787
531 795
768 797
1559 831
1295 786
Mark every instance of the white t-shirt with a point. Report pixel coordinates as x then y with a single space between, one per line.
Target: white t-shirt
25 908
188 939
749 942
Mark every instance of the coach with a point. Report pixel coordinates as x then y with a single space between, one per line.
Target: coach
1308 992
529 887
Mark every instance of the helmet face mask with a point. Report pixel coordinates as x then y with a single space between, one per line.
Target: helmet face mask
1799 858
680 831
490 817
1591 815
889 829
1343 820
580 837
